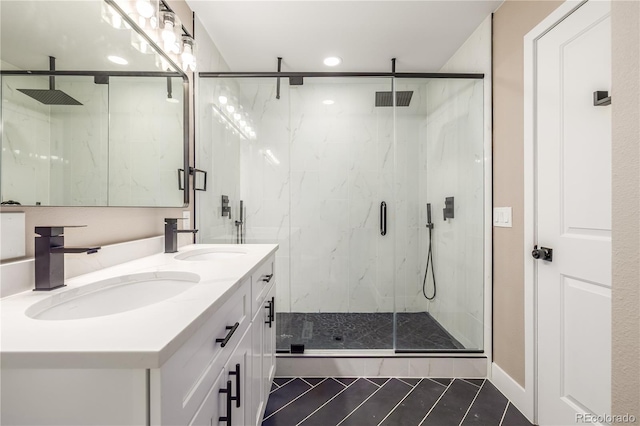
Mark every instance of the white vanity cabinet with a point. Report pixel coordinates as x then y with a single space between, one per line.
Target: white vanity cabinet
227 362
202 378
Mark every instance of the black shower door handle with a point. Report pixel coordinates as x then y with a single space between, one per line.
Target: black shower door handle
383 218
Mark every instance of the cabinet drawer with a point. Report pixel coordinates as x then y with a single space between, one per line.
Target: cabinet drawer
261 282
213 405
188 375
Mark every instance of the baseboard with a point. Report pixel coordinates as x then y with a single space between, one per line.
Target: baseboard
391 366
513 391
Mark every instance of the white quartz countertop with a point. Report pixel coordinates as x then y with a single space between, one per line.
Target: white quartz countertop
141 338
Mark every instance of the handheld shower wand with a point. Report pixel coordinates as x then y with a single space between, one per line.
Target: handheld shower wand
429 259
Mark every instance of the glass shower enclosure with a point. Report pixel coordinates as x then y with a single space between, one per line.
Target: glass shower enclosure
339 171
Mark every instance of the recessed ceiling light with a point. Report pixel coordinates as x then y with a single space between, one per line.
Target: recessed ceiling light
328 102
332 61
117 60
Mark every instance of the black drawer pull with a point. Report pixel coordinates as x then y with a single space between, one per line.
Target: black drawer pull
237 374
227 390
232 329
266 278
271 305
269 316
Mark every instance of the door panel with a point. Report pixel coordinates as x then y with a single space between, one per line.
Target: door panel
573 201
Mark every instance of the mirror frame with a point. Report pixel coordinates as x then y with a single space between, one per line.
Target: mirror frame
178 73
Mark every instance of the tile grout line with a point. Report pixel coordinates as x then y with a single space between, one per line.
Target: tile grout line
398 404
413 386
313 386
438 383
435 403
478 386
371 381
291 402
361 404
472 401
346 386
332 398
504 413
278 387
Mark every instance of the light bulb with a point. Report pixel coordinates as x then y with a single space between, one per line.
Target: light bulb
168 35
332 61
144 8
230 108
242 122
237 116
222 99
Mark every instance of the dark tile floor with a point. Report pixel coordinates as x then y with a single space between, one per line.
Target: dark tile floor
388 402
343 330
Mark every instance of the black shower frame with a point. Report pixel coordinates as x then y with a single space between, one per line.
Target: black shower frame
393 74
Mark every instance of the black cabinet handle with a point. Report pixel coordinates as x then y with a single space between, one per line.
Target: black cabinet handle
383 218
266 278
237 374
227 390
269 315
232 329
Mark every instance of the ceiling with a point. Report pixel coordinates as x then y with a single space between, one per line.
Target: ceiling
422 35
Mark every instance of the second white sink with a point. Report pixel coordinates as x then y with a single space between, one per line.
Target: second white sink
113 295
210 254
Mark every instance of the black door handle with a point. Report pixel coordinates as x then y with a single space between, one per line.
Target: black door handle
227 390
237 374
266 278
543 253
383 218
232 329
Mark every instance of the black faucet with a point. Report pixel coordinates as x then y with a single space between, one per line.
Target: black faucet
171 232
50 252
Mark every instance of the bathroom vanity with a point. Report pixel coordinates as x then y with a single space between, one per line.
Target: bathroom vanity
202 355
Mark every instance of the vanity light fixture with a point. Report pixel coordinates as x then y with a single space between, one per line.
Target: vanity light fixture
188 53
146 8
332 61
117 60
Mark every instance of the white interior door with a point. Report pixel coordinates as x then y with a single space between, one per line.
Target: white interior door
573 217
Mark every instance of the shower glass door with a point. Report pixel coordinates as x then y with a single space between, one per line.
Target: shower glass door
342 269
440 158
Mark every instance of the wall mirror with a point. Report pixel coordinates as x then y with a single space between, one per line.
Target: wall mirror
93 113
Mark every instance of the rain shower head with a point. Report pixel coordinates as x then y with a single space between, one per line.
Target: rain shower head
385 99
50 96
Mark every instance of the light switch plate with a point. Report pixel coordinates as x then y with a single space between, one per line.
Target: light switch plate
502 217
12 235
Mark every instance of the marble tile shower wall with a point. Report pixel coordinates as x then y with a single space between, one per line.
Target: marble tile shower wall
217 151
451 164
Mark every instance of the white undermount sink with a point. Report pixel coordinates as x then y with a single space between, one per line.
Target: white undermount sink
113 295
210 254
